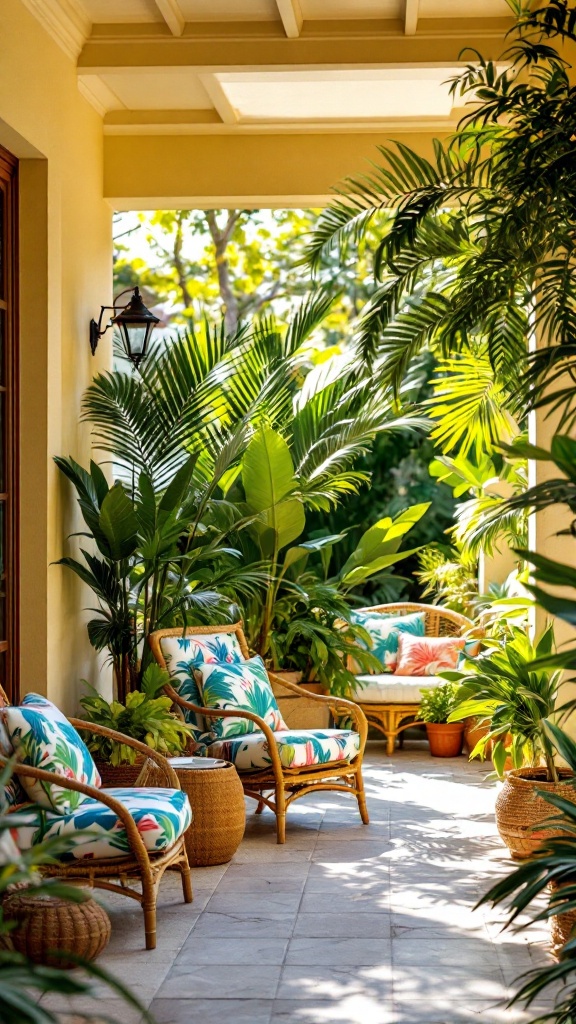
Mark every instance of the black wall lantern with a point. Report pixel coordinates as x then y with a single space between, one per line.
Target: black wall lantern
135 323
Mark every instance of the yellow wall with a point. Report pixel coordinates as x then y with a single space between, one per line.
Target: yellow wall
66 245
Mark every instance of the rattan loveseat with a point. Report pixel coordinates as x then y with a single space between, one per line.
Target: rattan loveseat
391 702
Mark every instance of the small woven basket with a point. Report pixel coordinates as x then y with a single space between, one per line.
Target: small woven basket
48 925
561 927
520 810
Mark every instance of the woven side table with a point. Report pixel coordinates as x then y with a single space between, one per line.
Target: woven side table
217 800
48 924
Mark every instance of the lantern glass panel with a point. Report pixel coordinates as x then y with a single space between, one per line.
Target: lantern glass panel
135 335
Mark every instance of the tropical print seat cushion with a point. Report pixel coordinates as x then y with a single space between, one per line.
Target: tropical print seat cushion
384 630
428 655
297 748
184 655
238 686
43 738
161 815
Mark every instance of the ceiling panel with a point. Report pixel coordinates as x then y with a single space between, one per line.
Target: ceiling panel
117 11
338 95
229 10
469 9
174 90
341 10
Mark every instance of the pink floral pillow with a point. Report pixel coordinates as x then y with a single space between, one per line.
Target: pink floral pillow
427 655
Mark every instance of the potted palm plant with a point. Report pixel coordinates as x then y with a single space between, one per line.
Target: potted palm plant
445 737
511 686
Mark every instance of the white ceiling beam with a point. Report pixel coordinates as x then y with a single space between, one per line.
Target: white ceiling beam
291 15
411 12
223 107
172 15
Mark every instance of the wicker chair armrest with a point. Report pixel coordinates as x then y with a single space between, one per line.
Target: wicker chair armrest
230 713
338 705
160 761
134 838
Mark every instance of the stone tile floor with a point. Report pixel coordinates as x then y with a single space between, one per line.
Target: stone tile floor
346 923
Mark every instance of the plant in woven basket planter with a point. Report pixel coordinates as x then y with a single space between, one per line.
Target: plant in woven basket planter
146 716
551 875
514 685
23 981
445 738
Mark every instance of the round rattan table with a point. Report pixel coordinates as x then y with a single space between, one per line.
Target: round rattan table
217 800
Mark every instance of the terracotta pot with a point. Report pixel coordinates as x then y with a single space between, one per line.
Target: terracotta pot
445 738
520 810
473 733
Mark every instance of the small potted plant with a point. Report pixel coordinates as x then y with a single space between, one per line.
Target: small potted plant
147 716
445 738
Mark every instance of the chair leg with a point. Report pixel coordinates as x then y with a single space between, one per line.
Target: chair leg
260 807
361 797
280 813
390 743
149 894
186 881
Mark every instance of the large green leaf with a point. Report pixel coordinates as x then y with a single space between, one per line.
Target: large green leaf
118 523
378 546
269 483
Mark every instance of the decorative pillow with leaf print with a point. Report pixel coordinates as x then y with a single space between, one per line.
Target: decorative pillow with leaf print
183 656
240 686
43 738
384 630
427 656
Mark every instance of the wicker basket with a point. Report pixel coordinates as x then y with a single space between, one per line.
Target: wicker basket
119 776
561 927
47 925
520 810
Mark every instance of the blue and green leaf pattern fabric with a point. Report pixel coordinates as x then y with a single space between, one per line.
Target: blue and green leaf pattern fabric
384 629
238 686
43 738
161 815
184 655
298 748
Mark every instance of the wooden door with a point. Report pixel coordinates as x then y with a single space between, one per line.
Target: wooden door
8 424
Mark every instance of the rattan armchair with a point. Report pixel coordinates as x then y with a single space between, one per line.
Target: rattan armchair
277 787
391 718
114 873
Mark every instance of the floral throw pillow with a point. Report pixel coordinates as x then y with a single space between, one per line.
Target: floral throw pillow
43 738
427 656
385 629
237 686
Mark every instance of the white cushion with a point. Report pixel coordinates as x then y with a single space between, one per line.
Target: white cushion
391 689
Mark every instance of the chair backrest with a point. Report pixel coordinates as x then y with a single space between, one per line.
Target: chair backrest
438 621
195 632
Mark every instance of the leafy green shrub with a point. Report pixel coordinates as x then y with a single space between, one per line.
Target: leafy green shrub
146 716
438 704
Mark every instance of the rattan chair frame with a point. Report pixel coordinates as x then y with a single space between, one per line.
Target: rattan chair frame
392 718
277 787
114 873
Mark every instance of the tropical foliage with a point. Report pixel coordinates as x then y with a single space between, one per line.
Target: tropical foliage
145 716
506 686
437 705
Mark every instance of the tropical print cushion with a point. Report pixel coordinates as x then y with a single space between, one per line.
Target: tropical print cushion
43 738
13 792
161 815
184 655
471 649
242 686
297 748
384 630
427 656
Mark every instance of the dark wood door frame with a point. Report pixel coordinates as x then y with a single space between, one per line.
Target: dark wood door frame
9 432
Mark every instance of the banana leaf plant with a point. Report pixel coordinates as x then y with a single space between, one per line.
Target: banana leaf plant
161 555
294 623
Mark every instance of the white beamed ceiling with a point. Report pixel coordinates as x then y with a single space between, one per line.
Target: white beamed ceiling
311 76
